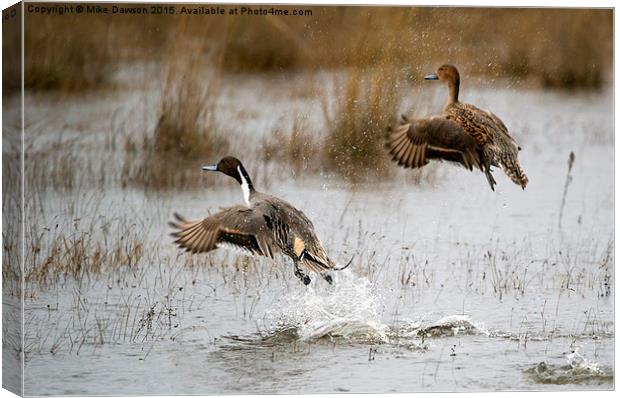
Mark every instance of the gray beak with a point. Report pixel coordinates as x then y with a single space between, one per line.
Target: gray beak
432 76
210 168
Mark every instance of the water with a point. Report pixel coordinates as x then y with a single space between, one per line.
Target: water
452 288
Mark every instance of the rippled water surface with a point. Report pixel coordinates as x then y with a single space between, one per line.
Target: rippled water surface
452 287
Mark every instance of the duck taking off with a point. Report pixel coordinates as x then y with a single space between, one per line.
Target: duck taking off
263 226
487 129
416 141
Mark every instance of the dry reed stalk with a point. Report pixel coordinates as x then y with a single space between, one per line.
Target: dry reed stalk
364 107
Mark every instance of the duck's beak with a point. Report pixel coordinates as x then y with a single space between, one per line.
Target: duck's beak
432 76
212 167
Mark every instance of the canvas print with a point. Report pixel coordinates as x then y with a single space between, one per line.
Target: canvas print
216 199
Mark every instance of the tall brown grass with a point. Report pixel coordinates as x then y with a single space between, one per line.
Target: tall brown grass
296 149
72 52
81 254
185 135
271 44
555 47
66 52
364 104
186 126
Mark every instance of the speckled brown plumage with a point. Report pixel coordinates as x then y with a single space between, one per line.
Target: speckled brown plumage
486 128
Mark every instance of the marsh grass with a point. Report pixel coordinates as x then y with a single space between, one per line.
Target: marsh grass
569 179
364 105
185 134
186 126
54 168
56 254
564 48
281 45
295 150
78 55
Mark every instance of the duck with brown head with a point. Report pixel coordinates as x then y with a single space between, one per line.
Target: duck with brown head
450 75
263 226
485 127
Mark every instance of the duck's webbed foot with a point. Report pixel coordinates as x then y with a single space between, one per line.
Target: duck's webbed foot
302 276
328 278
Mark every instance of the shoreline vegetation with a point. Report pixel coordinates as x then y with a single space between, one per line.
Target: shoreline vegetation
555 48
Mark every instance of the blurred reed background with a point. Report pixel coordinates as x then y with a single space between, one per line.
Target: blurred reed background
564 48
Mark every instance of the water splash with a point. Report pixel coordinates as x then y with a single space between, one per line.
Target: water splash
580 364
444 327
578 370
350 308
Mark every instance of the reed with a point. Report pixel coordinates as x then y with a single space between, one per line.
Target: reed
296 150
77 55
569 179
564 48
185 135
57 255
364 106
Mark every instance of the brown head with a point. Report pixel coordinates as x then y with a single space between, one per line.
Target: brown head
231 166
449 75
445 73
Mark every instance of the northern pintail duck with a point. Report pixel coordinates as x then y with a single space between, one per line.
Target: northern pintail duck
263 226
416 141
486 128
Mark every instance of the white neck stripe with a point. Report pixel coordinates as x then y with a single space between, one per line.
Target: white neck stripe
245 187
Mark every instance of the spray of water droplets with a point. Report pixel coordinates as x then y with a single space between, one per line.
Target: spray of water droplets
350 308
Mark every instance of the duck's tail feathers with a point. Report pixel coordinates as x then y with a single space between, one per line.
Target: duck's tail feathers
344 266
321 266
515 172
315 263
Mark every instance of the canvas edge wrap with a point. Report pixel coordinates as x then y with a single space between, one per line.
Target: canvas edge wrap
13 204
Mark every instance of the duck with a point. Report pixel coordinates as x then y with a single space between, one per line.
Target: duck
263 226
416 141
488 130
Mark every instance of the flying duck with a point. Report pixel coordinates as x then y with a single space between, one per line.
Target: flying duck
417 141
263 226
487 129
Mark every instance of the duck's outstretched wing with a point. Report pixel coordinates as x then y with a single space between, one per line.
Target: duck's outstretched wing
237 226
416 141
